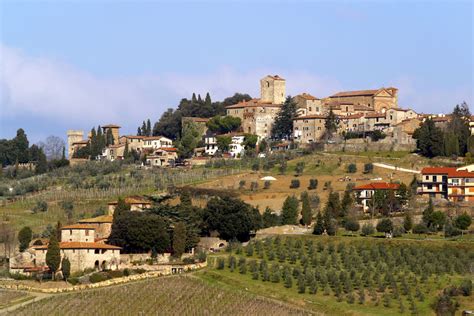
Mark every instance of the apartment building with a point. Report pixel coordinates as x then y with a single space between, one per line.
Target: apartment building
453 184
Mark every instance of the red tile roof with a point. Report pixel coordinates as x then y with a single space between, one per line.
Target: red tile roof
98 219
310 117
78 226
80 245
375 115
355 93
449 171
110 126
378 186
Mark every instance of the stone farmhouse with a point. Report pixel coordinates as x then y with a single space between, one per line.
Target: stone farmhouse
162 157
137 203
79 244
453 184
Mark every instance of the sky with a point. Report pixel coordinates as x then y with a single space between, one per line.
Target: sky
74 64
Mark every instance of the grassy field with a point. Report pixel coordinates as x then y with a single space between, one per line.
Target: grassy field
391 276
8 298
176 295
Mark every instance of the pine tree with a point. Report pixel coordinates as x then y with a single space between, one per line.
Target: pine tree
289 211
53 255
429 139
306 212
407 222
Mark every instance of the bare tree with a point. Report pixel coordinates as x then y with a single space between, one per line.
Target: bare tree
53 147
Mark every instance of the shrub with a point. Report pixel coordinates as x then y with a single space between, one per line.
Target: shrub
445 305
352 225
126 272
368 167
385 226
98 277
253 186
463 221
466 287
73 281
41 206
313 184
352 168
295 183
367 230
241 184
267 184
420 229
398 231
115 274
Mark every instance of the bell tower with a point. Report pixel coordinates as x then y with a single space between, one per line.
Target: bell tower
272 89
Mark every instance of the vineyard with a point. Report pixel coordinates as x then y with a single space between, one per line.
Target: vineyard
376 277
177 295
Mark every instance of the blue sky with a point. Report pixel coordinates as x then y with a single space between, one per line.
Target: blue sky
76 64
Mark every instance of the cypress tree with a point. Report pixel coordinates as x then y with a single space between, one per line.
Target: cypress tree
283 125
148 128
24 238
53 256
319 227
179 239
66 268
306 213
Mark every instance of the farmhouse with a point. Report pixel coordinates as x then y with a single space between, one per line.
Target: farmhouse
137 203
366 192
79 244
163 157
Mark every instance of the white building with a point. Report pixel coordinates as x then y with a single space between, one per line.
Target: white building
236 147
155 142
210 144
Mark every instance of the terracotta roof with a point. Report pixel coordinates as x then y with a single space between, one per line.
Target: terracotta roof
378 186
133 200
132 136
352 116
153 137
375 115
275 77
78 226
110 126
252 103
98 219
197 119
449 171
361 107
172 149
307 96
81 142
354 93
81 245
310 117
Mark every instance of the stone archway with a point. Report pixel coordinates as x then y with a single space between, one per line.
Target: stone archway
96 265
103 266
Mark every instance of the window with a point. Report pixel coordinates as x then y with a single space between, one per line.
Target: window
268 84
435 178
310 109
427 177
70 232
87 232
96 251
430 186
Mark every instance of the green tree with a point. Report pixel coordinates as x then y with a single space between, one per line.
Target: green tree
269 218
66 268
189 140
231 218
306 212
458 130
428 214
429 139
224 124
352 225
352 168
407 222
463 221
283 126
179 239
319 227
333 205
223 143
385 226
289 212
68 208
330 125
53 255
24 238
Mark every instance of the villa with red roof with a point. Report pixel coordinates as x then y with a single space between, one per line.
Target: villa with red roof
453 184
366 192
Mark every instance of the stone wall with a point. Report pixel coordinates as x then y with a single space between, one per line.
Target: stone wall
387 144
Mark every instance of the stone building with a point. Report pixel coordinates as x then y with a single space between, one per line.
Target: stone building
114 129
74 138
308 129
258 115
378 100
79 244
308 105
163 157
114 152
137 203
156 142
101 224
365 192
133 142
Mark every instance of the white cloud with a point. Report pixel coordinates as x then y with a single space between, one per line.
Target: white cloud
48 88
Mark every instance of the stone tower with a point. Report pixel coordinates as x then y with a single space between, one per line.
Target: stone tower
272 89
72 137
